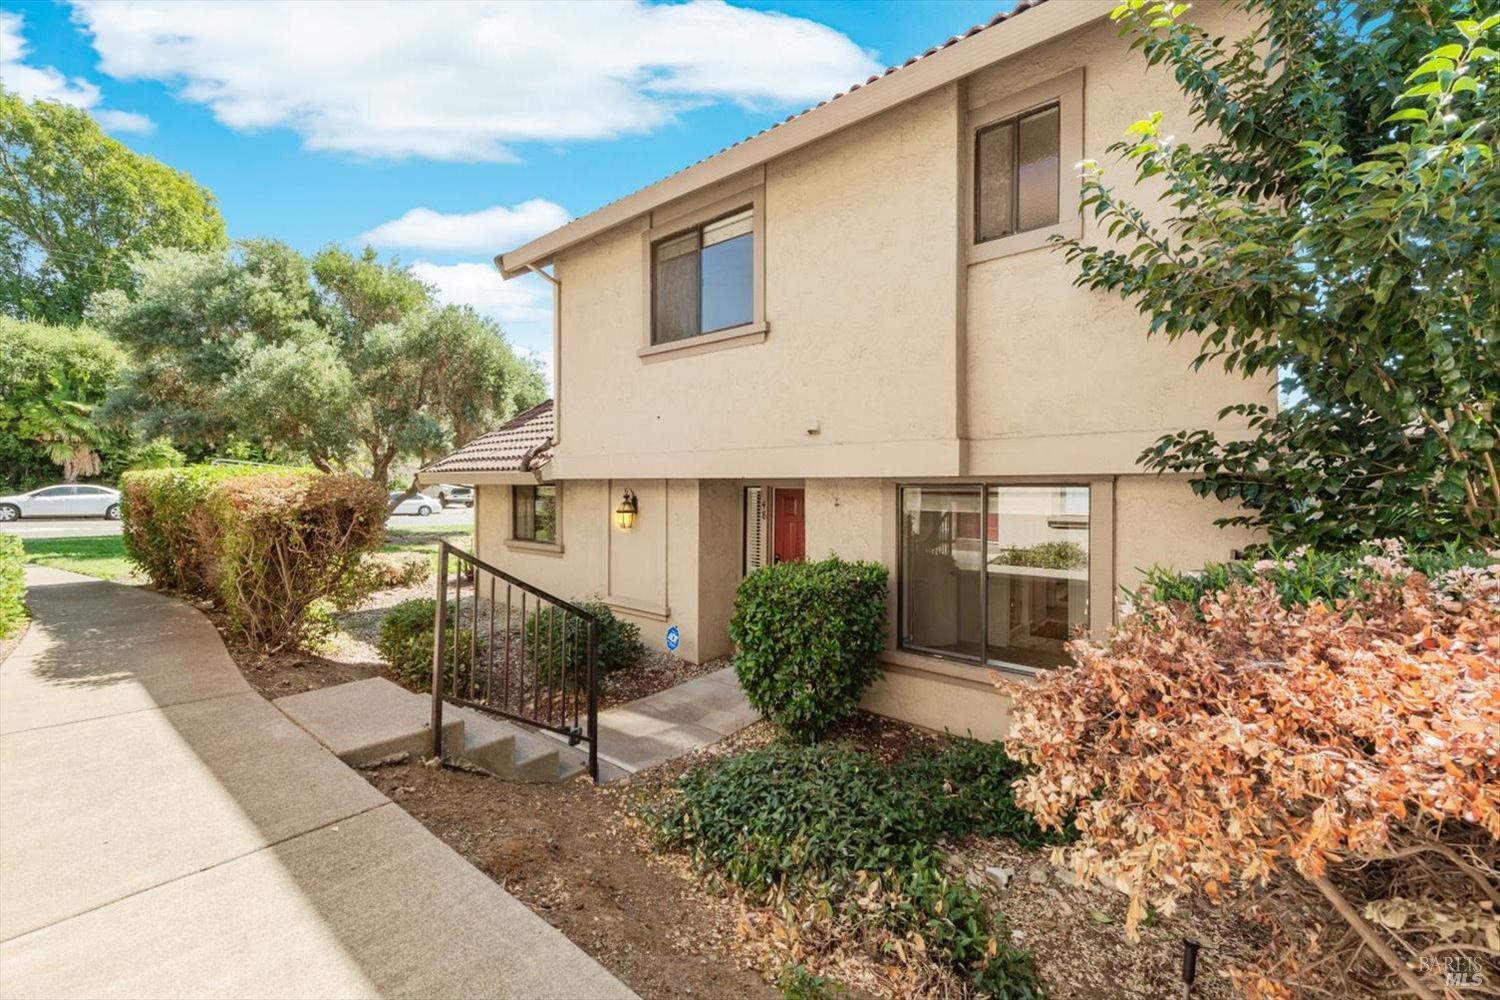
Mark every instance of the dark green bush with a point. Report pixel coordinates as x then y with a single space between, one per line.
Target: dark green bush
558 642
806 639
1303 575
965 788
12 584
406 638
830 824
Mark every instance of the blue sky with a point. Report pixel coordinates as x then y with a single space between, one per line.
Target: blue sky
325 123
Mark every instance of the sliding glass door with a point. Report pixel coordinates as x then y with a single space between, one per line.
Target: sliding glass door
994 574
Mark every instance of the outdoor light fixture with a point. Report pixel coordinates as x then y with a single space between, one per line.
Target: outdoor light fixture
625 513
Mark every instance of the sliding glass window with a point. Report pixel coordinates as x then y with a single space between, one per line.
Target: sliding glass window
994 574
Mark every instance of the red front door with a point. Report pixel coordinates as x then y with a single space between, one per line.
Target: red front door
791 527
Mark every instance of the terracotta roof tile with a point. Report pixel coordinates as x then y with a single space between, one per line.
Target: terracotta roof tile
521 444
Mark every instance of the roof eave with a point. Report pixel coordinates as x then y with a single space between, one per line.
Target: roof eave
1041 23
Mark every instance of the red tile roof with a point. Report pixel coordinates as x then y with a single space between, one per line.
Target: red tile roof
521 444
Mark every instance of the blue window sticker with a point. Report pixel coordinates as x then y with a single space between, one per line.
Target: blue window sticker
674 637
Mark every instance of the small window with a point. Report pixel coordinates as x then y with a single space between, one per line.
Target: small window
702 280
53 492
534 514
1016 174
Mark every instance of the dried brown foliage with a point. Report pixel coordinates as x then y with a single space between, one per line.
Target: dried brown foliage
1332 769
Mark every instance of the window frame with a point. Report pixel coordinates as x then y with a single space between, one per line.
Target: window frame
514 539
1066 92
1100 585
668 227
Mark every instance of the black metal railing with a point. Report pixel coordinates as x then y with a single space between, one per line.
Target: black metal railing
511 649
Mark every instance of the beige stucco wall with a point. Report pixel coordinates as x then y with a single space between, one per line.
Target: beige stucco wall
860 232
903 358
1158 521
649 575
1062 379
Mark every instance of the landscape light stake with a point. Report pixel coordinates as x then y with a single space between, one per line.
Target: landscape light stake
1189 967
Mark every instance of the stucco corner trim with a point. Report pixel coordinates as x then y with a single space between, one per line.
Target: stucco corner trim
536 548
739 336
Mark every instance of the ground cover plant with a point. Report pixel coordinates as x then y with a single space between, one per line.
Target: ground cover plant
844 848
12 585
1309 740
806 637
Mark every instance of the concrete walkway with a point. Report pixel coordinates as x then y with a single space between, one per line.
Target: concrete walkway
673 722
164 831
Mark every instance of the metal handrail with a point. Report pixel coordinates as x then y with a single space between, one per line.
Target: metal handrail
557 694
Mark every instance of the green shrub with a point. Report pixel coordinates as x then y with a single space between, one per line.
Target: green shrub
965 788
806 639
559 642
167 529
1043 555
829 824
12 585
1302 576
406 639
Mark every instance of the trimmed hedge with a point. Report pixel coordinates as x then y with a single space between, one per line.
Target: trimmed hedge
806 639
166 526
267 545
12 585
619 642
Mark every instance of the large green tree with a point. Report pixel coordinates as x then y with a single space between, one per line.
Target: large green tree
342 360
1339 229
76 205
52 381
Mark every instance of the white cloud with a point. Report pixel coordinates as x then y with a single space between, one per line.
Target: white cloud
465 81
47 83
490 230
520 300
125 121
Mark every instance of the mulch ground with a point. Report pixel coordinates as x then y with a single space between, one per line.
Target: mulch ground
351 655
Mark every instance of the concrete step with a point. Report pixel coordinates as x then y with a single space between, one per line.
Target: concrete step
366 721
514 752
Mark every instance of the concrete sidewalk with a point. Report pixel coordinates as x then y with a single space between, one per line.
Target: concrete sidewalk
164 831
670 723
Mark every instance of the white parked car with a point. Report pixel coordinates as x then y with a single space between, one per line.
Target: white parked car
413 505
71 500
455 496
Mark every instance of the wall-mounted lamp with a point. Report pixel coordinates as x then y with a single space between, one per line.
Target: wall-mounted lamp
625 513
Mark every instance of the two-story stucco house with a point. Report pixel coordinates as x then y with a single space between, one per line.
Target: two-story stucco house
847 334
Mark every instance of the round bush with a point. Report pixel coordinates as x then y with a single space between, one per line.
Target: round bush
565 657
806 639
406 639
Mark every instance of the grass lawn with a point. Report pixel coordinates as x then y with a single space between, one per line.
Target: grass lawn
102 556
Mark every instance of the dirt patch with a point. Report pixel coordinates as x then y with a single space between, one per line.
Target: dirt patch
8 646
571 854
654 671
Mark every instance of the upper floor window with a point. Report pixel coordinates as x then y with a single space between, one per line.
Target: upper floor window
1023 187
1016 169
703 280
